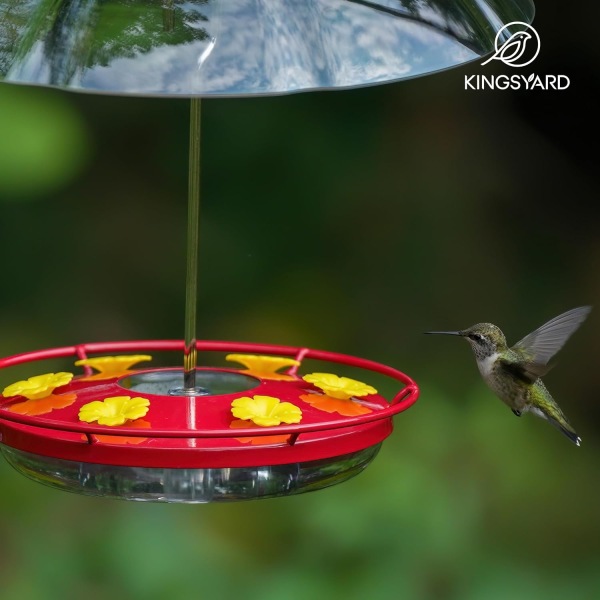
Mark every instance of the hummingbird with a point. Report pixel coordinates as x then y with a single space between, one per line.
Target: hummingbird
514 374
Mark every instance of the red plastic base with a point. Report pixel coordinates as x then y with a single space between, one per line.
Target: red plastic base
197 432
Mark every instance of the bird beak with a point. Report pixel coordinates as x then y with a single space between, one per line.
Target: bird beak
443 333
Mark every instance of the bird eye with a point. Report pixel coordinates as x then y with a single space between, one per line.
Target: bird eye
476 337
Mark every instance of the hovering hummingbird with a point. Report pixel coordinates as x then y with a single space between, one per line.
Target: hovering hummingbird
514 373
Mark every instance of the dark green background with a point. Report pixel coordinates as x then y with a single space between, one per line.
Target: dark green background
350 222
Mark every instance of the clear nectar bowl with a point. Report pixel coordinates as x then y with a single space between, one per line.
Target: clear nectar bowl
189 486
192 449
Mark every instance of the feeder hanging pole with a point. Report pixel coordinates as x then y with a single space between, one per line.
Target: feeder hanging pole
191 289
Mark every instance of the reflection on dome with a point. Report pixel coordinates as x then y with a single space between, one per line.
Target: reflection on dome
231 47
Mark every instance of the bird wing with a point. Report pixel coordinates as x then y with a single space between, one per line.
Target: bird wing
510 44
521 370
511 50
541 345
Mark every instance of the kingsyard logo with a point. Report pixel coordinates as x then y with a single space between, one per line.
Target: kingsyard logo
513 51
516 49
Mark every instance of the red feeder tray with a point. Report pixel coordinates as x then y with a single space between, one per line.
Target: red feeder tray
191 448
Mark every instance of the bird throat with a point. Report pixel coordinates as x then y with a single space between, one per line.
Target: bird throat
486 363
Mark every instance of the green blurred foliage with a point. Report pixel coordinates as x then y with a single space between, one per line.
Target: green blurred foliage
44 143
350 222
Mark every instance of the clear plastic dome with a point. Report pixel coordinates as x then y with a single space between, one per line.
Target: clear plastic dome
242 47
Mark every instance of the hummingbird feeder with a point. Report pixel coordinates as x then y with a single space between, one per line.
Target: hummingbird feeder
202 434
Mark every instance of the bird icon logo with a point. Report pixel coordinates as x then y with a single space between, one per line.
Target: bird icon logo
514 51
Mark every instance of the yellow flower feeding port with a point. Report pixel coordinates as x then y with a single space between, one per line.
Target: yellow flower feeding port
38 386
342 388
265 411
116 410
111 366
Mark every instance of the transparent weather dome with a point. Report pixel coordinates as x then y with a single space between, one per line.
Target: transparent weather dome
242 47
281 423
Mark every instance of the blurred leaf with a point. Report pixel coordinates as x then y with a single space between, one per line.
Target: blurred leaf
44 142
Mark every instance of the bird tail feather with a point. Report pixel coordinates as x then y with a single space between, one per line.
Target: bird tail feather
566 429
